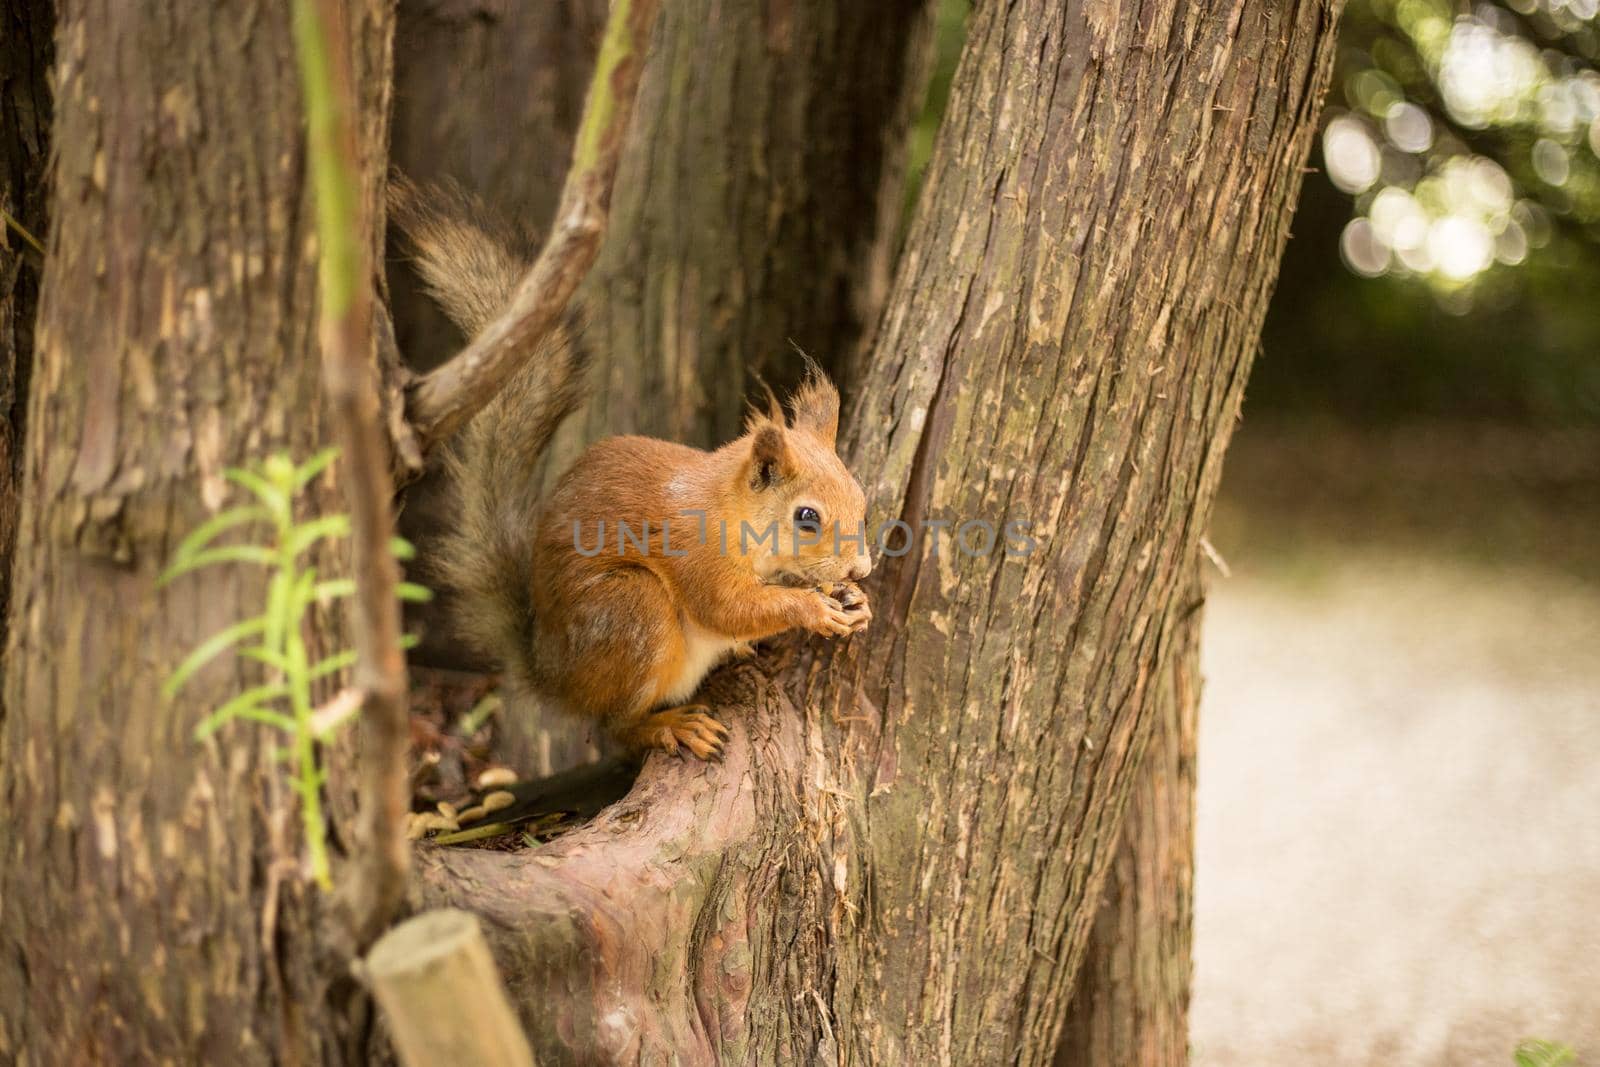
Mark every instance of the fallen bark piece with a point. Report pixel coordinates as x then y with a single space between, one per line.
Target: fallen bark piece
497 778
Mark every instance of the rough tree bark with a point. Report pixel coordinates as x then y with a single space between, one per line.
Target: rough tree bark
459 62
1065 345
1130 1004
25 53
149 907
756 207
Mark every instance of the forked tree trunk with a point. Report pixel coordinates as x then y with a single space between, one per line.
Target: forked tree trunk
150 904
757 202
460 62
758 196
902 856
26 28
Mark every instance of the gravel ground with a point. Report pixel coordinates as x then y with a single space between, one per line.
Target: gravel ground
1399 811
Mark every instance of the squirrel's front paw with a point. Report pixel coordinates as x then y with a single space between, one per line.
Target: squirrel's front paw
830 618
854 602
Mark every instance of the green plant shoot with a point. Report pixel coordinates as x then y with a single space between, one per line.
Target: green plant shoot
1538 1053
276 638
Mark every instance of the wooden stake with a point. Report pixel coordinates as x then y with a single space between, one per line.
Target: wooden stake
442 994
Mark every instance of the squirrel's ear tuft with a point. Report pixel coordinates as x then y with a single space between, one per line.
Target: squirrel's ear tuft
754 417
770 460
815 405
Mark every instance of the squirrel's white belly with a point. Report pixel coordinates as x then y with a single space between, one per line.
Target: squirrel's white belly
702 650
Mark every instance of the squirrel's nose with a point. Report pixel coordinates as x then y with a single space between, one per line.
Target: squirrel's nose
861 567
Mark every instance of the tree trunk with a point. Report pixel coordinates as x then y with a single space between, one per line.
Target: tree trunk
25 54
755 208
153 905
901 858
1130 1006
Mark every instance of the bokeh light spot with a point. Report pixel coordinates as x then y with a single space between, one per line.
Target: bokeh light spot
1408 127
1351 155
1362 250
1550 162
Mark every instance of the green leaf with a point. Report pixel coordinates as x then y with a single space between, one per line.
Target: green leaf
247 701
275 499
1538 1053
333 588
209 650
309 780
333 664
307 534
303 592
340 660
222 554
473 720
279 470
473 833
202 535
402 549
314 466
270 656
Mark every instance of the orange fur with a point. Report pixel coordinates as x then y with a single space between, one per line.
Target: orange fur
636 626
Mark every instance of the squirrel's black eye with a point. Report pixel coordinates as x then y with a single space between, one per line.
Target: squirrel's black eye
807 517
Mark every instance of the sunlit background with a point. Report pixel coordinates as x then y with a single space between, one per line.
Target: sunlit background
1398 844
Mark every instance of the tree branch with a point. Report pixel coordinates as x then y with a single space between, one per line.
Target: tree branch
377 887
441 401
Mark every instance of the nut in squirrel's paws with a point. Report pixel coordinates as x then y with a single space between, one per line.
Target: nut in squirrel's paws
853 610
689 727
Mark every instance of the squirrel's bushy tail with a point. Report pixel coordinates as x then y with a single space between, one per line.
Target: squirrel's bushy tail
469 265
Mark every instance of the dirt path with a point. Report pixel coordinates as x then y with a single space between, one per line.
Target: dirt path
1399 813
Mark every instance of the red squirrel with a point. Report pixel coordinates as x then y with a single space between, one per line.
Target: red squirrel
576 601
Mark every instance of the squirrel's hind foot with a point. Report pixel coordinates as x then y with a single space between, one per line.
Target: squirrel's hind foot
688 726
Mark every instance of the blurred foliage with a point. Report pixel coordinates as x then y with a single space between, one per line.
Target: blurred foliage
1527 349
1461 189
1459 182
1468 135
